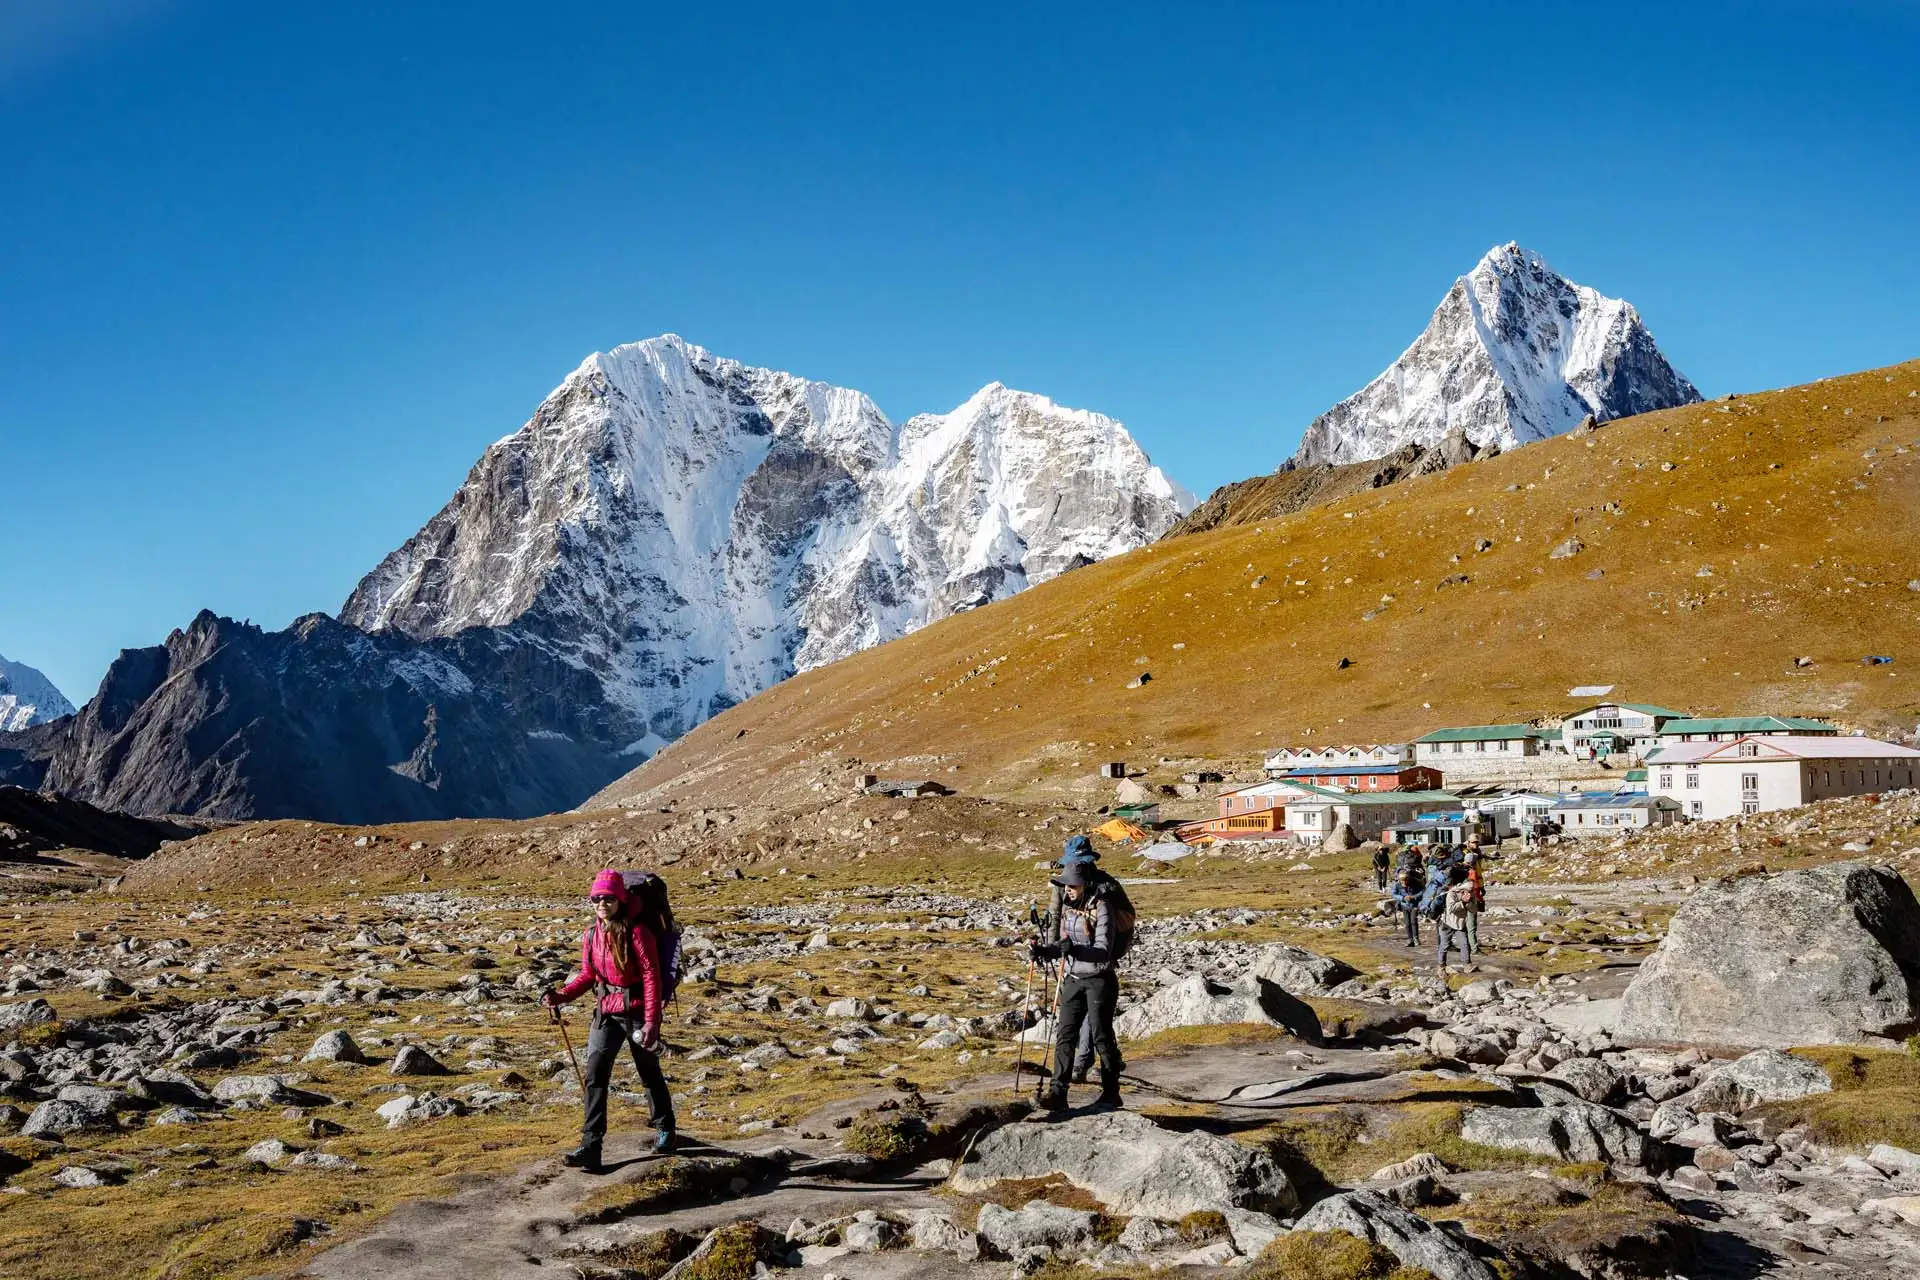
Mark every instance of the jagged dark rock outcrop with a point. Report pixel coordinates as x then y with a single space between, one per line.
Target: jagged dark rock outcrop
324 721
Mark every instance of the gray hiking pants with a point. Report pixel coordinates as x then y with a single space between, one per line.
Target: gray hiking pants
603 1047
1090 1002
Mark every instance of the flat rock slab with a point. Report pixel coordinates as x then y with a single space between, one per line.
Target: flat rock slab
1408 1237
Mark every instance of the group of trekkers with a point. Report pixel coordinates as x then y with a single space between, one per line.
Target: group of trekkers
629 958
1444 885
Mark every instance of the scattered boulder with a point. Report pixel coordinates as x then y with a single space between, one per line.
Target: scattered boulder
335 1046
930 1231
1829 955
1132 1166
1591 1078
1408 1237
58 1116
1195 1002
272 1152
1765 1075
1250 1230
1037 1225
1340 839
410 1109
1424 1165
26 1013
412 1060
1296 969
1573 1131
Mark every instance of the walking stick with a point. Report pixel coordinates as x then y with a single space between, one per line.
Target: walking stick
1019 1041
567 1040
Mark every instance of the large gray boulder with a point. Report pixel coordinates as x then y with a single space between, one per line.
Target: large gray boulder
1195 1002
1132 1166
1765 1075
1408 1237
1296 969
1829 955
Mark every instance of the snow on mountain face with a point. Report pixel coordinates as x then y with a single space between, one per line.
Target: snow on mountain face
27 697
1513 354
691 529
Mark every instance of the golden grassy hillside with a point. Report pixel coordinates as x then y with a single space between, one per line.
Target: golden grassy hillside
1720 543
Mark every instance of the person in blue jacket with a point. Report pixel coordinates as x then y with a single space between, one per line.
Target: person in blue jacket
1406 900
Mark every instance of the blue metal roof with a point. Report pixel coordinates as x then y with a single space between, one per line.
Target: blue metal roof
1602 800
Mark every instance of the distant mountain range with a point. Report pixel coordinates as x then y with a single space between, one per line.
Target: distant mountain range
670 533
673 532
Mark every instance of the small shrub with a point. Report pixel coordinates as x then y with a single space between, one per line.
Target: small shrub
1202 1225
888 1135
730 1252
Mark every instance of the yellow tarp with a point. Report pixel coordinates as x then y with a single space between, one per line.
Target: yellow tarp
1119 829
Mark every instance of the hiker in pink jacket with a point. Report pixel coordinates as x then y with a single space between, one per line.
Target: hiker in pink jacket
620 960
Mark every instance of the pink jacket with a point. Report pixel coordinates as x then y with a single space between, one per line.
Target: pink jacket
597 965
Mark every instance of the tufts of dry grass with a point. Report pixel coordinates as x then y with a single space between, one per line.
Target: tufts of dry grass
1875 1098
1328 1255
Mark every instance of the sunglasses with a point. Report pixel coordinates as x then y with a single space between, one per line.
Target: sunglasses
605 897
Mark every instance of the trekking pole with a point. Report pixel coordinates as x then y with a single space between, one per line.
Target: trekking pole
1019 1039
567 1040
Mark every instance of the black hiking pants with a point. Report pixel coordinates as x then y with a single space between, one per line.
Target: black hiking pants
609 1032
1089 1000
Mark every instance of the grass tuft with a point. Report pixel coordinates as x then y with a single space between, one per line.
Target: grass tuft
1328 1255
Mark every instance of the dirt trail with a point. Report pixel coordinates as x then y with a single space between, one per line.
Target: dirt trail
513 1228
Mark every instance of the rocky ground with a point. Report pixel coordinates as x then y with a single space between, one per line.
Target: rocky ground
353 1079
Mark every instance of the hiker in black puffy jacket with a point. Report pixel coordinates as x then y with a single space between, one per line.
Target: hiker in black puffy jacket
1089 988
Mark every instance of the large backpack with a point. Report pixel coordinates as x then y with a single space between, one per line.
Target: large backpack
1433 902
1120 918
647 904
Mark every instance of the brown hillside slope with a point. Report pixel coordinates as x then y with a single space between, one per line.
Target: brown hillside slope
1721 541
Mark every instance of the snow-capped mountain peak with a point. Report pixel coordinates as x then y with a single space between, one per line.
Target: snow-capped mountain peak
27 697
691 529
1514 353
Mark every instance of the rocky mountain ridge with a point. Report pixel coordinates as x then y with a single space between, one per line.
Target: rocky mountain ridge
692 530
1514 353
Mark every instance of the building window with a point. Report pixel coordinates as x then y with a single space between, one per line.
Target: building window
1666 779
1747 749
1749 806
1699 808
1693 779
1749 782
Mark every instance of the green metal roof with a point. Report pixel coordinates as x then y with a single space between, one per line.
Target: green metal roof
1636 775
1748 724
1133 810
1480 733
1647 708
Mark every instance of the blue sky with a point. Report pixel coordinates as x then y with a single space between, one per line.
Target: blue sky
271 276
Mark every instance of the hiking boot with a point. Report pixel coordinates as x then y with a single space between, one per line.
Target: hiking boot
585 1156
1052 1099
663 1142
1080 1074
1109 1100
